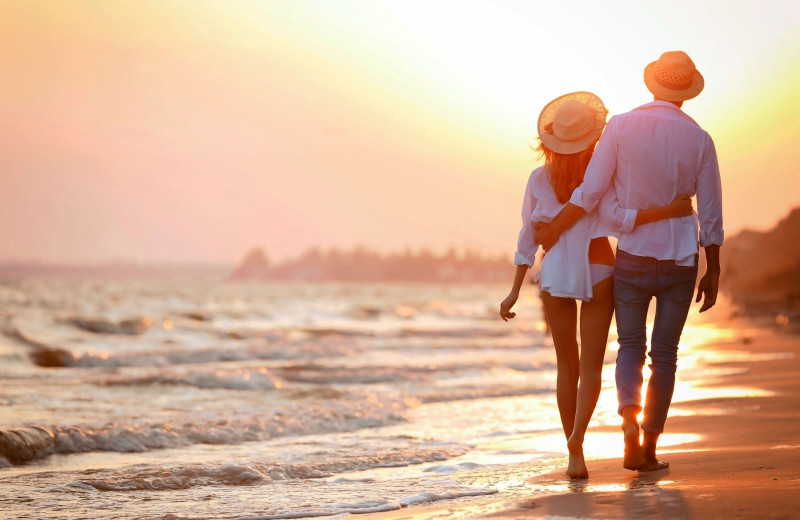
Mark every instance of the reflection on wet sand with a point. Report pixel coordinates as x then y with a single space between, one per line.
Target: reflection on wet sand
647 496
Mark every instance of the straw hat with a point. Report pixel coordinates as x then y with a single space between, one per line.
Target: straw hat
673 77
572 122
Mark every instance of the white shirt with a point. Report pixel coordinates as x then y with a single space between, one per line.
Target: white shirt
649 156
565 268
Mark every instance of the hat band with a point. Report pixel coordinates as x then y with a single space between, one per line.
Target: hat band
568 138
675 83
571 139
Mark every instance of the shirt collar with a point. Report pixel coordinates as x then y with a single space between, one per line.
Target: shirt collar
667 105
659 103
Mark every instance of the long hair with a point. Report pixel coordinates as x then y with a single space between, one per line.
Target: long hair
565 170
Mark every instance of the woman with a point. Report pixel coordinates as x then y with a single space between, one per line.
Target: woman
579 266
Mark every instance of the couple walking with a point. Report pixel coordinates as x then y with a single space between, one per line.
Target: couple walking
633 179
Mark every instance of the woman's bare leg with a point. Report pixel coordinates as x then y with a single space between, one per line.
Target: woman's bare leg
562 314
595 321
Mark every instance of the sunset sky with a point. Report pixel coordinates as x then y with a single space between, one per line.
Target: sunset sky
194 130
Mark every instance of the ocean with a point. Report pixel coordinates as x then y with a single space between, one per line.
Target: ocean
154 399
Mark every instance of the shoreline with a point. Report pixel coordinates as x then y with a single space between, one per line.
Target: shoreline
743 461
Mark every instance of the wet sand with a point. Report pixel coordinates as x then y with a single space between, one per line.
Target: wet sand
745 464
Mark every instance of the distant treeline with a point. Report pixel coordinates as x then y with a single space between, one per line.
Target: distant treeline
362 264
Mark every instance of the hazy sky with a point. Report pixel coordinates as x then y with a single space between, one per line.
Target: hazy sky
194 130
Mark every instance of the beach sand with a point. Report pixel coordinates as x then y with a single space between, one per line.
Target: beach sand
744 465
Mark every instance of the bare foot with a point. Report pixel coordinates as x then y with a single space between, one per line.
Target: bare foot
576 469
652 465
634 455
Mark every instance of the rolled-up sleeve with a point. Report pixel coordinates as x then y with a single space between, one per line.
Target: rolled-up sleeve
614 217
526 243
709 198
599 173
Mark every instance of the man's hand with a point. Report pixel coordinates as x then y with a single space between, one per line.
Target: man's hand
680 207
546 235
709 283
707 289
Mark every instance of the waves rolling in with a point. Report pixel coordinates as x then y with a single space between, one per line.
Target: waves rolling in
192 389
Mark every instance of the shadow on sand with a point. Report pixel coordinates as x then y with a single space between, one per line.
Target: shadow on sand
644 496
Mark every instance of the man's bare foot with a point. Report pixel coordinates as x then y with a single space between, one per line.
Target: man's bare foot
576 469
652 465
634 455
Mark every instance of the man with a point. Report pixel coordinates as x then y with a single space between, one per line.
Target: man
650 156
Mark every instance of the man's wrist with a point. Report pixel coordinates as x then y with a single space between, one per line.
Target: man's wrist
712 259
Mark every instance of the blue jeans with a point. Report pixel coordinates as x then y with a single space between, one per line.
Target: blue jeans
637 279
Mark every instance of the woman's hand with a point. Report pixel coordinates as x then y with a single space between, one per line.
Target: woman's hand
505 306
680 207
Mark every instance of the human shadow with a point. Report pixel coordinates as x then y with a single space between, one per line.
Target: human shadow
648 495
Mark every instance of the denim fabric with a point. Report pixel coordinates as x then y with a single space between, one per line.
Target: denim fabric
637 279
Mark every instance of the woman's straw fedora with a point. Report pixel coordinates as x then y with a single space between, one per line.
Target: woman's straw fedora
572 122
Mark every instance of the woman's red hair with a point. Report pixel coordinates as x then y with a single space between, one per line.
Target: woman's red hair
565 170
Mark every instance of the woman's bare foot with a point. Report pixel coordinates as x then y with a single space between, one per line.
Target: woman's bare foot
576 469
634 455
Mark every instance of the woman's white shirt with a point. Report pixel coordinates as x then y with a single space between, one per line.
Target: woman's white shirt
565 268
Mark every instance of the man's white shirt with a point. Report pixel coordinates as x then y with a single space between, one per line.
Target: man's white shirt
650 156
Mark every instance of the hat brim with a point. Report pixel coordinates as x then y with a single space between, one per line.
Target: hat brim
568 147
667 94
